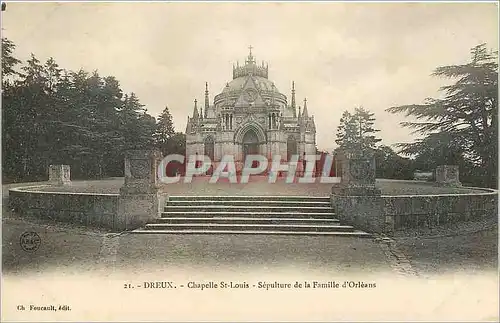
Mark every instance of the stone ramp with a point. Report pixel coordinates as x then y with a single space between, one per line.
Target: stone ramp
276 215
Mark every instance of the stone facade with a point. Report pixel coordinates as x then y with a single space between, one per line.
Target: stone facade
250 116
447 175
59 175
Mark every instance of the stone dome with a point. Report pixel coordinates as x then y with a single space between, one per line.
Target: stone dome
237 84
250 75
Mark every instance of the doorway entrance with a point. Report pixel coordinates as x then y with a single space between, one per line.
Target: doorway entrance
250 144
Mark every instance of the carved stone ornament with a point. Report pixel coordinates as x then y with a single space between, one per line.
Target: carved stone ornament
250 117
250 95
139 168
65 174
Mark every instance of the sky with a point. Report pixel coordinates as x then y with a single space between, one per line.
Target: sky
340 55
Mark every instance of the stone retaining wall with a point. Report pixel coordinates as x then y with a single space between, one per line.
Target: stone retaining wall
387 214
415 211
98 210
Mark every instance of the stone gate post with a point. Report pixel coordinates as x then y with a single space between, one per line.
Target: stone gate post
140 199
59 175
447 175
356 200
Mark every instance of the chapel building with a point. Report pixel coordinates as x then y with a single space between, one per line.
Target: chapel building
250 116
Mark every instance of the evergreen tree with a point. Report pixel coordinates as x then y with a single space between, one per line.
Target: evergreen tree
356 131
365 121
136 128
176 144
55 116
9 62
164 127
392 166
347 134
462 127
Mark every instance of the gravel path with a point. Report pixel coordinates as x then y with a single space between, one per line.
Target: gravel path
470 247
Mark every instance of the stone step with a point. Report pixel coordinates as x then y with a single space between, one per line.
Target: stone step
247 226
351 234
260 214
274 215
249 203
246 220
249 198
248 208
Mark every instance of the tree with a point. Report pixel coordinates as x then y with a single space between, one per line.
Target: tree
137 127
54 116
392 166
356 131
8 60
164 129
347 135
462 126
176 144
365 122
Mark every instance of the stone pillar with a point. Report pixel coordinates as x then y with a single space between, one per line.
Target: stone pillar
140 201
356 200
357 172
447 175
59 175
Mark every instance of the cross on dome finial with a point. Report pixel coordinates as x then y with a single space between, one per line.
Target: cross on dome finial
250 56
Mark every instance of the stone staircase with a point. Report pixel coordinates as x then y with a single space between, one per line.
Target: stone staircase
290 215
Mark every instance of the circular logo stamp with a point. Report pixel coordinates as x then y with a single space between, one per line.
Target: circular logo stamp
30 241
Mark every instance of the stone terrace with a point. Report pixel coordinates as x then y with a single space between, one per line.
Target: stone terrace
258 185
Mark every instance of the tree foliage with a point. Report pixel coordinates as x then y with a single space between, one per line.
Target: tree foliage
392 166
51 115
356 131
176 144
164 130
9 62
462 127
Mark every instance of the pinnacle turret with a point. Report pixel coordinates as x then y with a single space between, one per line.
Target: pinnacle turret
207 103
196 115
304 113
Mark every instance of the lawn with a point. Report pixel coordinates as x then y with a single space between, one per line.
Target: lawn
259 186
